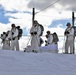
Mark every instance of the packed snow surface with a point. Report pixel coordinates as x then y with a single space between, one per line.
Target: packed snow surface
22 63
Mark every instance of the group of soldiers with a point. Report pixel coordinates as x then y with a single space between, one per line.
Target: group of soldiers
10 39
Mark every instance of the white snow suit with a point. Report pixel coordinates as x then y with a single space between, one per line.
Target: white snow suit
14 39
35 38
69 40
3 41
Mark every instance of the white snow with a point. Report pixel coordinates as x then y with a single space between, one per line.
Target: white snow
22 63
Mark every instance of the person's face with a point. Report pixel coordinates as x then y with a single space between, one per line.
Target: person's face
13 27
68 26
48 33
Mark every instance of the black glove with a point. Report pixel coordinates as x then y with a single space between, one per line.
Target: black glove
9 39
45 41
32 33
12 33
35 33
13 38
66 32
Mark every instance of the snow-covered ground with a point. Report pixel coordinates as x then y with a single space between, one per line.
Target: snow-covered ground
22 63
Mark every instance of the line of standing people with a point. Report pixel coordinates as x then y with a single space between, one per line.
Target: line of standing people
10 39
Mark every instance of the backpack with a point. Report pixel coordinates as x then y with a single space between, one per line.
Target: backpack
55 37
20 31
74 30
41 41
42 29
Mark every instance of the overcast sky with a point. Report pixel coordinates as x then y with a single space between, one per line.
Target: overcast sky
54 18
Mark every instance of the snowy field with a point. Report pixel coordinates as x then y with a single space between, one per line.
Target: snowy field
22 63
